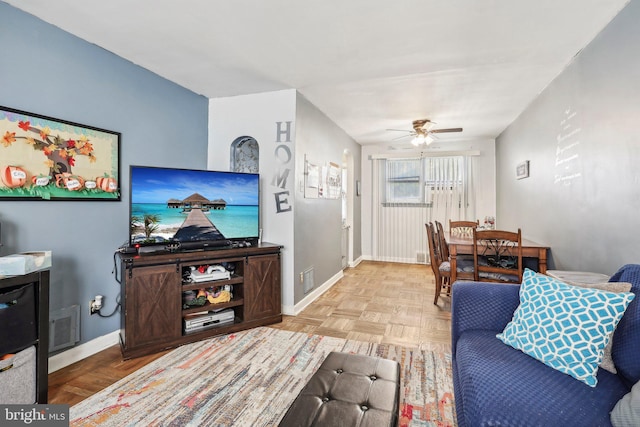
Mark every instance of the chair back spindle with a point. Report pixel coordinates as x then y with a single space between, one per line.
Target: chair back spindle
463 227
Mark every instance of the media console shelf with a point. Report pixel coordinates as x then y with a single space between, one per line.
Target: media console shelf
156 294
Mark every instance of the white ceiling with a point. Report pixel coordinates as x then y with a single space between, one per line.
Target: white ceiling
369 65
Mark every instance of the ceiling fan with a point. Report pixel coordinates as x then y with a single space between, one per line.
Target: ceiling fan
423 132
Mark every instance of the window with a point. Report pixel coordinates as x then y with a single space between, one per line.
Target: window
417 181
408 193
404 181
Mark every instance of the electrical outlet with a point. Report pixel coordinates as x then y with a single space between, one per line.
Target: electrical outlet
96 304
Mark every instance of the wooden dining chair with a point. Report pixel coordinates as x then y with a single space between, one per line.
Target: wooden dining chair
435 260
444 247
463 227
497 256
465 262
442 268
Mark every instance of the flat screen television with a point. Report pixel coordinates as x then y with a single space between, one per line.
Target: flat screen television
196 208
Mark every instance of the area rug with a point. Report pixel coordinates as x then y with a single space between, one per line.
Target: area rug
250 379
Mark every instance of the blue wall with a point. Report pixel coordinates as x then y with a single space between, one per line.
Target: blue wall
47 71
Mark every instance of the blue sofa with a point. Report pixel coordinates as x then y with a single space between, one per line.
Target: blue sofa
497 385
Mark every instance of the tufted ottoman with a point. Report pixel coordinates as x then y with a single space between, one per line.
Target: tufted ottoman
348 390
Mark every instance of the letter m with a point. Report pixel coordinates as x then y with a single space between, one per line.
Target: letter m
280 178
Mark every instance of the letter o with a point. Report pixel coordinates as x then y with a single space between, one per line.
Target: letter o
286 150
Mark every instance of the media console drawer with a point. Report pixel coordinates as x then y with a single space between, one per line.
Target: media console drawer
17 317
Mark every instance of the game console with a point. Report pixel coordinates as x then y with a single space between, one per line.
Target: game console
213 272
209 320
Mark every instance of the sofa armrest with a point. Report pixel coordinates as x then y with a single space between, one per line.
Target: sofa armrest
481 305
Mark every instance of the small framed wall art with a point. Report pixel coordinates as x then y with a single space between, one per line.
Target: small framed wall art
42 158
522 170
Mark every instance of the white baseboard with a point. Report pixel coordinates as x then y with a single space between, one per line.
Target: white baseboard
355 263
83 351
96 345
312 296
390 259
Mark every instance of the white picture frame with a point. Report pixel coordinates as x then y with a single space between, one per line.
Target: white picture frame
522 170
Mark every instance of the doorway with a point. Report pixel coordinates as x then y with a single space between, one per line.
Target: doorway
347 196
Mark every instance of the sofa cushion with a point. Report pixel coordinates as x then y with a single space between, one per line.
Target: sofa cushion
626 413
564 326
626 340
498 385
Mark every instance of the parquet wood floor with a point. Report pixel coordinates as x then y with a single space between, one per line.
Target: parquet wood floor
376 301
379 302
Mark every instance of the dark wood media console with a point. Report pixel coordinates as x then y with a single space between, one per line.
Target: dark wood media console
153 289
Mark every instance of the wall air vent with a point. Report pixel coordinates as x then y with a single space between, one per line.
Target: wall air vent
64 328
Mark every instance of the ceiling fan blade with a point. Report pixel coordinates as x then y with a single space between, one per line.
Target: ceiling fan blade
446 130
401 137
398 130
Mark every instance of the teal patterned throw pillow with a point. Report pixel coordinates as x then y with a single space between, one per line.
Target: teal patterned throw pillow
563 326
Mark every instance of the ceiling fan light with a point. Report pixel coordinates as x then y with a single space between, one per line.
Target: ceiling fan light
418 140
428 139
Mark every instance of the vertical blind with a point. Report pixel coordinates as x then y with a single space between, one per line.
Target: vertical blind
413 191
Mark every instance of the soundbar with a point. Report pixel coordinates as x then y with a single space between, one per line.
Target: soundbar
203 244
183 246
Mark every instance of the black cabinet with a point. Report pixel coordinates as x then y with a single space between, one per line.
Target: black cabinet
24 324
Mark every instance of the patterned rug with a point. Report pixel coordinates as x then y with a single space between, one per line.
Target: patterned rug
250 379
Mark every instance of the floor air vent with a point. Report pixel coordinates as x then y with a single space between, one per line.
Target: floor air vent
64 328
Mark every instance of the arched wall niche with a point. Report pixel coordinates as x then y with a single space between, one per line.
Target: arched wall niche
245 155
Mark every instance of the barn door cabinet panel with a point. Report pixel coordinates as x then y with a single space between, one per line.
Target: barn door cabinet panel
152 305
156 313
263 296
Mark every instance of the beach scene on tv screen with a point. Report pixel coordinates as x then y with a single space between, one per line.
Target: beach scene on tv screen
192 205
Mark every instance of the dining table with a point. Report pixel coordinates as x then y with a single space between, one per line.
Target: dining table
462 244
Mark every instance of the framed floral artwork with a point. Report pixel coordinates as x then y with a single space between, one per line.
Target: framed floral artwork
42 158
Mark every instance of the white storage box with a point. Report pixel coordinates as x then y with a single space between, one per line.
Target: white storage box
25 262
